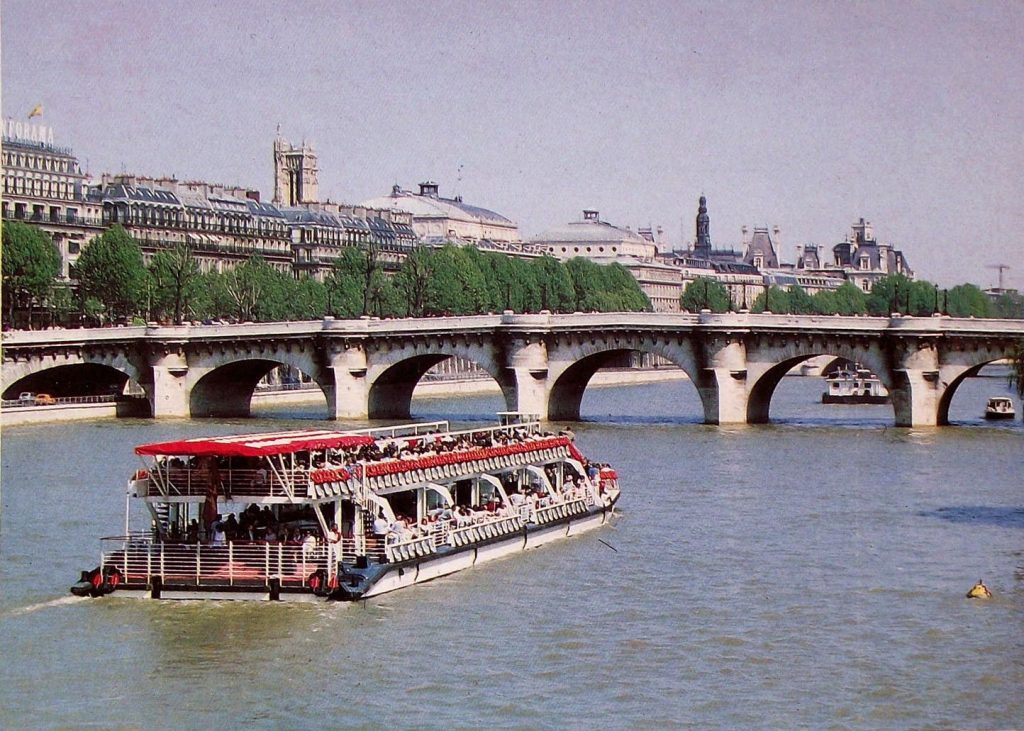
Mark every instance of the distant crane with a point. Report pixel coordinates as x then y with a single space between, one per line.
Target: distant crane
1001 268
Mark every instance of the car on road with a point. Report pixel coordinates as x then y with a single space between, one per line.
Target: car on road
45 399
27 397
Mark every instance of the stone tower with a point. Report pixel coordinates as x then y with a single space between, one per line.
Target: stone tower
702 249
294 173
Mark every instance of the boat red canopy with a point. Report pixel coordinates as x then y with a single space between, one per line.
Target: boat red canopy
256 445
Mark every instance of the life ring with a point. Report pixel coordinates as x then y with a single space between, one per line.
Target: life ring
317 581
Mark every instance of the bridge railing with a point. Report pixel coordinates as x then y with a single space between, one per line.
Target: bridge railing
513 321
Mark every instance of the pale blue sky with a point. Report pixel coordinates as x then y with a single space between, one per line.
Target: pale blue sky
806 115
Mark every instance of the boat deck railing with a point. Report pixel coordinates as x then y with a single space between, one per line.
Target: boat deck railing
234 483
333 480
196 565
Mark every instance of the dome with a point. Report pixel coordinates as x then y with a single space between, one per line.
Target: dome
590 230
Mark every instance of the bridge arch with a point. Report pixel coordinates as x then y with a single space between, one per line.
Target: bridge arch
576 365
952 379
392 375
224 387
74 379
764 378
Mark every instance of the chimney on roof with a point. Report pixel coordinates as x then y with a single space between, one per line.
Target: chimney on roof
589 214
253 195
428 188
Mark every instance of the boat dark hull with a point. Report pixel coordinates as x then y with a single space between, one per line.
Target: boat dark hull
999 415
865 399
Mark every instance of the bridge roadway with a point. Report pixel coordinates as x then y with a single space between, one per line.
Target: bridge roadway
542 362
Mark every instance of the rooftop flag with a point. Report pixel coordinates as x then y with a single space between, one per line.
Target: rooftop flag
37 111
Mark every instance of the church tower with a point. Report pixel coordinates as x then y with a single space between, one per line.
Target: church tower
702 249
295 172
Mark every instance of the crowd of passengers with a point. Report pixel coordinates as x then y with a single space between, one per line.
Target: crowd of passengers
428 445
253 525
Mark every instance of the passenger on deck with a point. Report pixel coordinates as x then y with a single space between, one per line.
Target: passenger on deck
219 538
192 534
333 534
380 526
260 477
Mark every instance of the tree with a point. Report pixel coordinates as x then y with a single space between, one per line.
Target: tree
705 293
800 303
110 270
344 286
308 300
173 280
967 300
554 285
774 300
456 285
850 300
31 264
511 283
412 278
254 290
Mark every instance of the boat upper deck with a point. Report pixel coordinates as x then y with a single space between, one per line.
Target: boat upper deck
312 466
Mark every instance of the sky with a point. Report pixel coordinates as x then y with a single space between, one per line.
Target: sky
806 115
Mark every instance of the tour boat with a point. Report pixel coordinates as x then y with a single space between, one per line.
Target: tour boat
857 386
308 515
999 407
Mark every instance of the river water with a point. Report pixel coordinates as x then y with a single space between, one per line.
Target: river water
809 573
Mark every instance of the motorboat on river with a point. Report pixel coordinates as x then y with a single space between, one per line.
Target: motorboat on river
854 386
999 407
311 515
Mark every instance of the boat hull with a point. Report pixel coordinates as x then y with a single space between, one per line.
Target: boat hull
862 399
377 579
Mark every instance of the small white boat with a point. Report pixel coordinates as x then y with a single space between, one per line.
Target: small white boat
999 407
856 386
345 515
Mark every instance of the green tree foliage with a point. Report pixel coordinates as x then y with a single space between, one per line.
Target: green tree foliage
897 293
173 283
411 281
31 264
456 285
512 283
967 300
110 270
344 285
308 299
705 293
801 303
775 300
850 300
554 285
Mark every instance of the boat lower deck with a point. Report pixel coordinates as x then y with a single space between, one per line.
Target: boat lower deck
306 579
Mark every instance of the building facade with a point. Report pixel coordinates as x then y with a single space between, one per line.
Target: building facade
44 185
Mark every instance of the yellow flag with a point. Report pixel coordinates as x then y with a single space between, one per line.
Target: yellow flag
37 111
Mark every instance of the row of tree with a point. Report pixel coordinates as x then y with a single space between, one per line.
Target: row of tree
115 285
893 293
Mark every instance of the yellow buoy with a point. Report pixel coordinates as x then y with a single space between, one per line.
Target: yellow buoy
979 591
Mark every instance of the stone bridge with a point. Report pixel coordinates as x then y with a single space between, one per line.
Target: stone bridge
369 368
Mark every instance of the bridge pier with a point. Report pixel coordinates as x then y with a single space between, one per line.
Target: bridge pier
527 366
348 395
169 390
